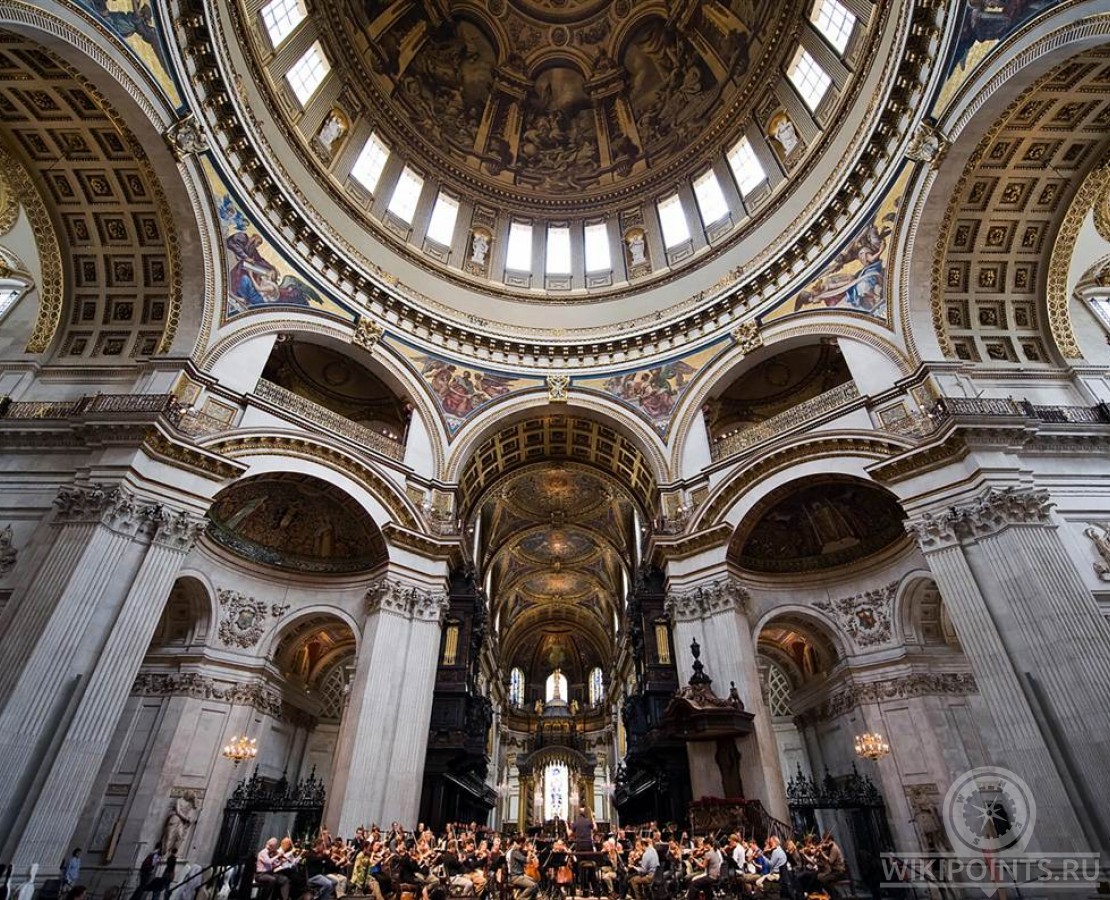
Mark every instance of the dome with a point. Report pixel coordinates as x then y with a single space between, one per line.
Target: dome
475 160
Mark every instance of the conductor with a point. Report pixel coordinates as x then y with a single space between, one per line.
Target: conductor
581 831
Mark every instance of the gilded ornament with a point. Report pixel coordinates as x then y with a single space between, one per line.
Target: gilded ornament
557 387
185 137
928 145
747 336
368 333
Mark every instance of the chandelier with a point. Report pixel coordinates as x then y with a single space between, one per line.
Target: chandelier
871 746
241 748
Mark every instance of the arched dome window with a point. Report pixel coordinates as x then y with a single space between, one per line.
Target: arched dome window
597 686
12 290
516 687
556 686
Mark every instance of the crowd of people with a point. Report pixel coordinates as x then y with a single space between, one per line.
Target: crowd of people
470 861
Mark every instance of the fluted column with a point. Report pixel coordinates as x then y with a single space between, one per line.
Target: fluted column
59 628
384 737
1039 649
71 776
715 612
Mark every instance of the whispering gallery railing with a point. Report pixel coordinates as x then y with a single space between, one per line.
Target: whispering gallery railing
786 420
286 401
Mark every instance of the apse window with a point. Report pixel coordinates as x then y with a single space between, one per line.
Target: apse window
441 227
518 253
597 248
746 167
672 218
834 22
516 687
406 195
370 164
809 79
558 250
281 18
308 73
597 687
711 199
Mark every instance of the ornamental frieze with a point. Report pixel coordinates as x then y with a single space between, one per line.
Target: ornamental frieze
982 517
707 600
257 694
865 617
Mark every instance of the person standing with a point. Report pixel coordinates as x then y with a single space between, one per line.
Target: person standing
71 871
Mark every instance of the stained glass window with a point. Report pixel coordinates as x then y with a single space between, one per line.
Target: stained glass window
516 687
597 686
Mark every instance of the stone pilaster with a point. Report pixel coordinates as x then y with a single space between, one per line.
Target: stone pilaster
383 740
715 612
71 776
62 627
1039 649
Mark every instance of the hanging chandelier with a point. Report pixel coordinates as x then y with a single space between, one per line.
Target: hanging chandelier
872 746
241 748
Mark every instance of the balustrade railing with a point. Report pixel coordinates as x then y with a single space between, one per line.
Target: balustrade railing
101 405
287 402
785 421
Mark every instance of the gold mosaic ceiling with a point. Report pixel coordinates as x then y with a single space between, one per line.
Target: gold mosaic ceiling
555 536
530 100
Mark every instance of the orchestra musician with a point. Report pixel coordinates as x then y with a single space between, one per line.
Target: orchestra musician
709 864
518 860
267 871
642 862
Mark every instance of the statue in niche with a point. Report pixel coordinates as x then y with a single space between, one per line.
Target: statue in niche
781 130
332 131
178 823
479 247
8 553
1100 537
637 247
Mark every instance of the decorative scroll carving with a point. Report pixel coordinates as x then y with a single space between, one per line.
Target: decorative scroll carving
185 137
367 333
557 386
982 517
707 600
407 600
928 145
244 620
1099 535
865 617
747 336
179 530
117 508
8 553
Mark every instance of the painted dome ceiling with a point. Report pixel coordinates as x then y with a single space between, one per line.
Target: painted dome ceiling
537 102
450 164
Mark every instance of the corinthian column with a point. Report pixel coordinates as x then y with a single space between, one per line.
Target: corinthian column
59 627
1039 648
384 736
71 775
715 612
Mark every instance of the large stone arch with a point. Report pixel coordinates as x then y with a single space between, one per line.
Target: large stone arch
978 106
104 65
266 452
832 452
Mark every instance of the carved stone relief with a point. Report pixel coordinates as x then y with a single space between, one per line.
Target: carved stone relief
982 517
706 600
244 619
865 617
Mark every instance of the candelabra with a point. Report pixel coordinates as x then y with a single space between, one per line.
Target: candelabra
241 748
872 746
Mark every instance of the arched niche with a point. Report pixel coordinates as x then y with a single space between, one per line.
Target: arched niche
816 523
296 522
186 621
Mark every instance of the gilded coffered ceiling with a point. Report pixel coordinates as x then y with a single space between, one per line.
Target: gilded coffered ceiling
122 278
1005 214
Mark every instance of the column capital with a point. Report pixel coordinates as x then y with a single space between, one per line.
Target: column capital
408 600
981 517
119 508
707 599
177 529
